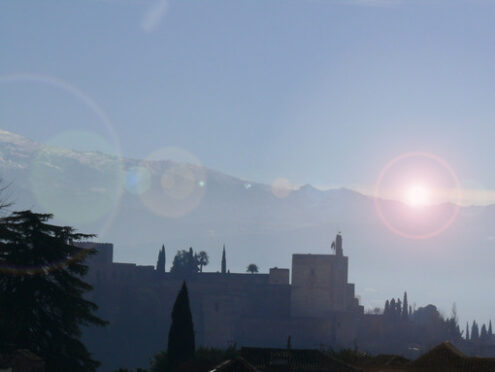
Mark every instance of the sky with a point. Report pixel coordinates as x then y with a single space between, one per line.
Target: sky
324 92
331 93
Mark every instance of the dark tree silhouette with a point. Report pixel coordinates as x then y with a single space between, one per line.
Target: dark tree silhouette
490 332
160 264
185 263
467 330
392 308
252 268
181 344
484 333
42 305
202 259
405 307
224 261
475 334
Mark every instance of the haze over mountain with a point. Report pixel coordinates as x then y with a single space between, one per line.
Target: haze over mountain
138 205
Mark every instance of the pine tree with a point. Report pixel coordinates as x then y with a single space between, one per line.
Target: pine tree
43 304
405 307
181 345
224 261
387 308
467 330
490 332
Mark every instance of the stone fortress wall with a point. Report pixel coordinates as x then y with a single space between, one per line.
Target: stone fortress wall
316 308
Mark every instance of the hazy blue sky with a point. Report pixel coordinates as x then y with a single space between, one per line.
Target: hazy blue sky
322 92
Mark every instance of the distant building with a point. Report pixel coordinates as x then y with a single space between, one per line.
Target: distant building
317 308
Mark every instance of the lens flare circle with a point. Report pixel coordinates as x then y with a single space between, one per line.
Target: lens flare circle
48 185
282 188
177 182
78 188
137 180
418 195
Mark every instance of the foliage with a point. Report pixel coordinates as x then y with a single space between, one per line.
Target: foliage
202 259
405 307
188 263
159 363
224 261
42 291
252 268
181 345
185 263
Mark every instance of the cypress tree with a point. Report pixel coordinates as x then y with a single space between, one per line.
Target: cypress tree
475 334
224 261
467 330
484 333
490 333
160 264
181 344
387 308
405 307
164 257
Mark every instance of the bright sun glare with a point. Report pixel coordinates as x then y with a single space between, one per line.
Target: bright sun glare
418 196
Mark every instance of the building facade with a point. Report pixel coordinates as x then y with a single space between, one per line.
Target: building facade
316 307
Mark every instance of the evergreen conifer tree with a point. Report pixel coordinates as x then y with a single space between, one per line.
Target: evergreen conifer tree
467 330
475 334
405 307
484 333
490 332
43 304
224 261
160 264
181 344
387 308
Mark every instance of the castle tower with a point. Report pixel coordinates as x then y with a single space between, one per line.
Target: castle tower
320 285
339 251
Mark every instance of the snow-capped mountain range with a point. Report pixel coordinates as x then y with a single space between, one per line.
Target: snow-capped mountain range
138 205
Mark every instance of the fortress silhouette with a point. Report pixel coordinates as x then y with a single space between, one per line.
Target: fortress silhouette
317 307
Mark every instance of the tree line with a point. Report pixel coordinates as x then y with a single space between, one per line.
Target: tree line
188 262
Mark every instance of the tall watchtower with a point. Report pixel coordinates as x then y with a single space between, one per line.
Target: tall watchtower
319 283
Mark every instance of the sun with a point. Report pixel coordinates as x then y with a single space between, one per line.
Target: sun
418 195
